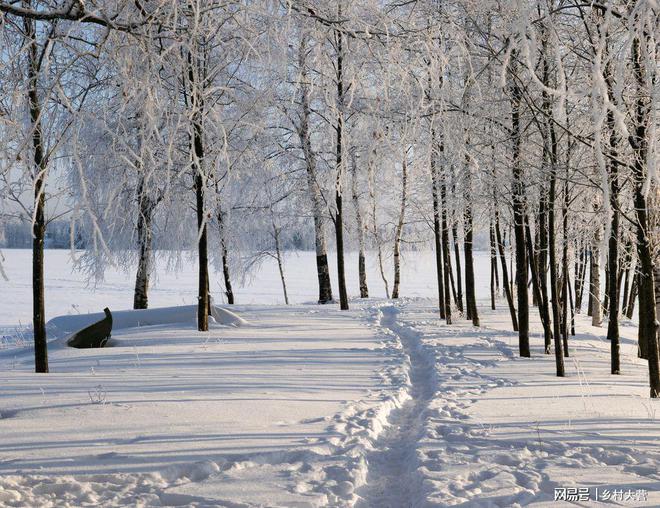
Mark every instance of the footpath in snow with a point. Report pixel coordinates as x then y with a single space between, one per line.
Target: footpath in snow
304 406
486 428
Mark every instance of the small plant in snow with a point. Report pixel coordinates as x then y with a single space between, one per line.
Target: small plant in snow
585 389
650 410
19 339
538 432
136 362
98 395
486 430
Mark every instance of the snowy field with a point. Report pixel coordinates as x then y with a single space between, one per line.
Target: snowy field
304 405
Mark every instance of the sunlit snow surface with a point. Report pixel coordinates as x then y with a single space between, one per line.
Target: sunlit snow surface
381 406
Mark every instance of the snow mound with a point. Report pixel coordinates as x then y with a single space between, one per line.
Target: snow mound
111 490
64 325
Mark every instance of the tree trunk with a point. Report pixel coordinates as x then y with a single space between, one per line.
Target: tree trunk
494 278
199 179
594 283
399 227
314 189
457 256
554 276
505 274
580 270
202 246
564 263
374 217
39 172
543 263
339 168
611 303
551 157
470 292
362 268
280 262
639 139
634 289
145 261
628 275
437 230
626 290
606 297
534 266
572 307
613 252
229 293
518 187
656 277
445 244
590 300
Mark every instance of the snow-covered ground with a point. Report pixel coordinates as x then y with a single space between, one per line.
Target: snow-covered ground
305 405
68 292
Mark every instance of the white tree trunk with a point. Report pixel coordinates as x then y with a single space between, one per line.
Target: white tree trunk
399 227
594 283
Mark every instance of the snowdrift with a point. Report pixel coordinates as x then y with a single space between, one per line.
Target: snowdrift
61 326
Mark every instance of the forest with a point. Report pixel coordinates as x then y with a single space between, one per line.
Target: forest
237 131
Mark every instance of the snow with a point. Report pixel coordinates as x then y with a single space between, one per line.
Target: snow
64 325
68 292
305 405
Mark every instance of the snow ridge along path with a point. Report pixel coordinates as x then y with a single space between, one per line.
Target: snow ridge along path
393 480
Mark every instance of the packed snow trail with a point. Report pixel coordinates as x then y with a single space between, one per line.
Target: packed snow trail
392 480
307 406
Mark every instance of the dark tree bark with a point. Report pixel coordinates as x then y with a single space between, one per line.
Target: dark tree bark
648 334
543 262
505 274
613 241
536 285
606 296
468 227
550 151
564 264
458 296
199 179
437 229
40 166
146 208
362 267
322 267
229 293
445 244
518 187
202 245
554 275
339 131
494 277
572 306
634 289
580 270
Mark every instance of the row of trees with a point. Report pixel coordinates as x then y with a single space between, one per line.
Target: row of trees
385 123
